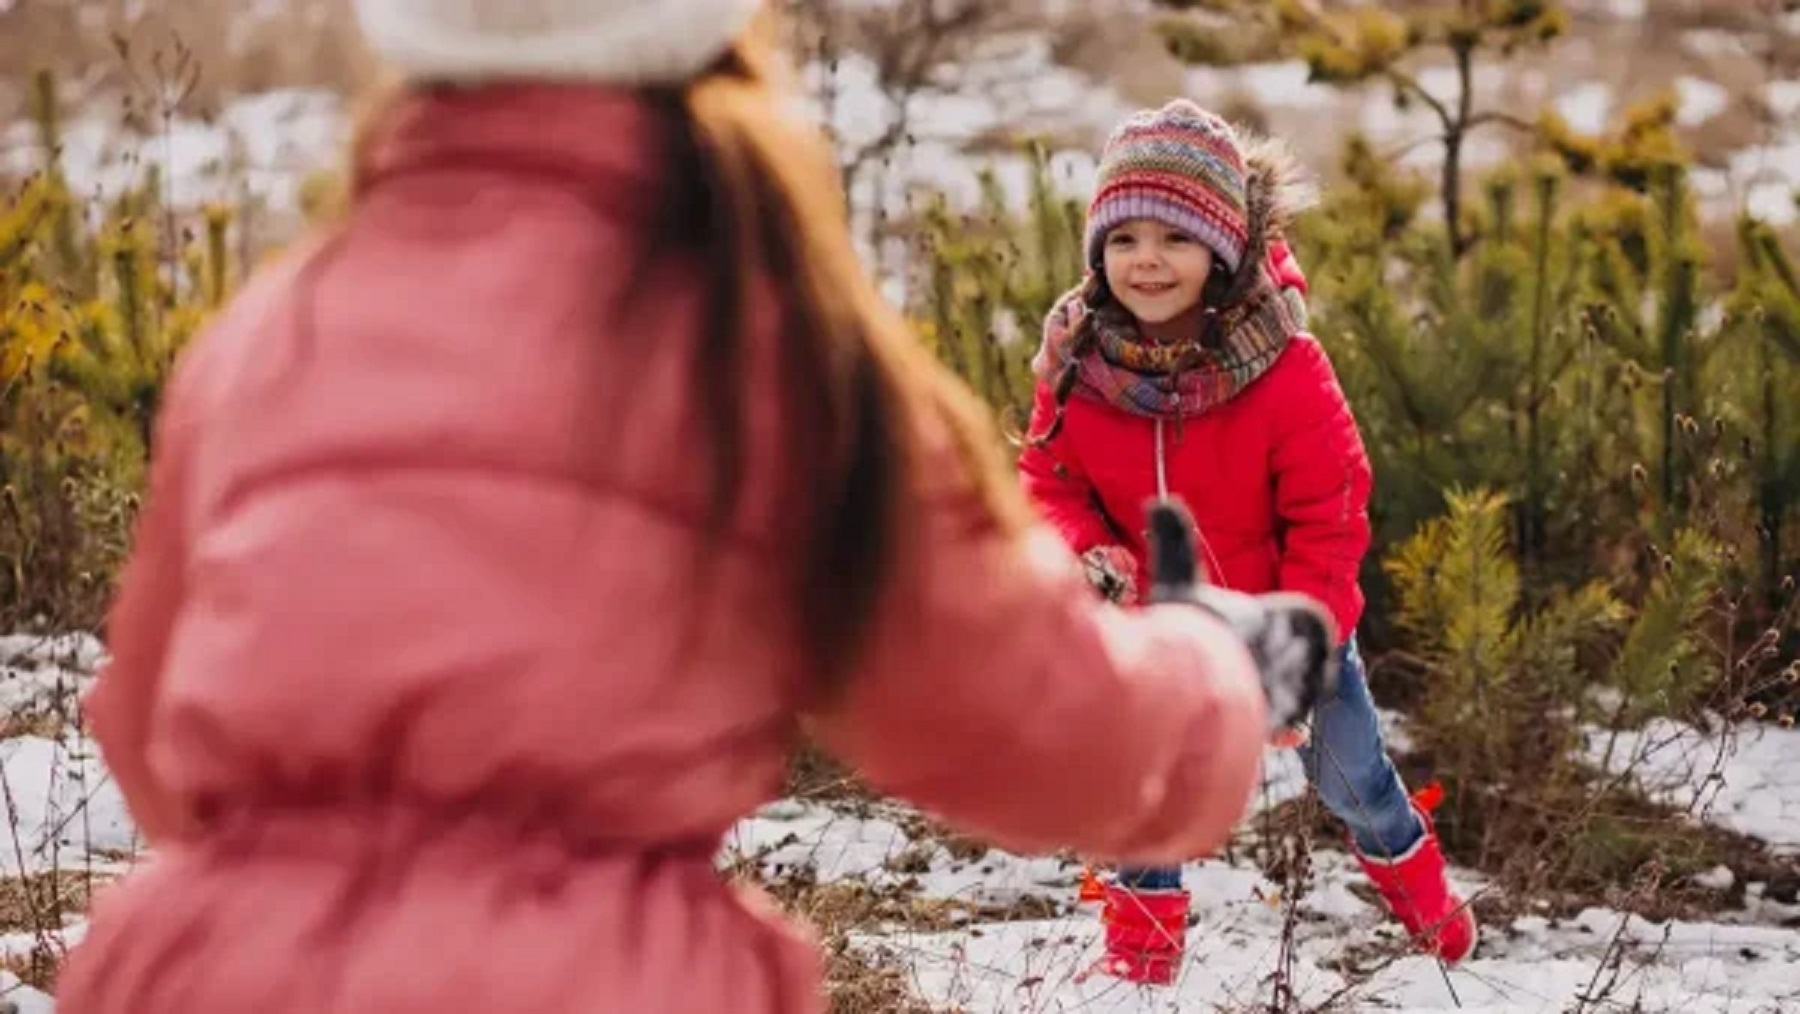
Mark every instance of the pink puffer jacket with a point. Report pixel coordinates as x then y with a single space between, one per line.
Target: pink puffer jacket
417 699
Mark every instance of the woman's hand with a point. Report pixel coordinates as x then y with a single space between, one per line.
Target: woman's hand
1290 636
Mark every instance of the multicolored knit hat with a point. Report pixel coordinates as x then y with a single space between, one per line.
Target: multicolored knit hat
1179 165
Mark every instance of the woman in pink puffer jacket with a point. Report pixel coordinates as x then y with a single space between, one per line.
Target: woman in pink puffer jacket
502 542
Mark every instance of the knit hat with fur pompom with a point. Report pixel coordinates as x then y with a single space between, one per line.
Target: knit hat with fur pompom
628 42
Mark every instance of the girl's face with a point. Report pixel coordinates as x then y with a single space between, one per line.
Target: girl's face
1156 270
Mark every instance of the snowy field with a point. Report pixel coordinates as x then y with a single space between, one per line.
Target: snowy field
63 813
1749 963
69 817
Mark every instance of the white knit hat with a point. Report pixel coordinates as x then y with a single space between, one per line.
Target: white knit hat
631 42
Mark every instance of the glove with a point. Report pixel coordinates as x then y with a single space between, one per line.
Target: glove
1112 572
1291 637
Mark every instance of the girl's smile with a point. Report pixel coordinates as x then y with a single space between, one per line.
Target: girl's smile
1158 272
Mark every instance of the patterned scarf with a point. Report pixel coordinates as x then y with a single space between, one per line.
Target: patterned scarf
1174 380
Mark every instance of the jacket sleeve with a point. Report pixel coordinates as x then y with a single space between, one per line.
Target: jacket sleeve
1058 488
139 623
1322 483
999 692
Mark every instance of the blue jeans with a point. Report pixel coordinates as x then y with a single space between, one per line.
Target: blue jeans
1353 774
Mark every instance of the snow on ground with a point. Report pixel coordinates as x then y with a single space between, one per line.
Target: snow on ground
64 809
1345 947
59 810
1745 962
41 674
1745 779
1236 944
24 999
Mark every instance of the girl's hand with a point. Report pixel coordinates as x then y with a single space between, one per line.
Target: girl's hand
1111 570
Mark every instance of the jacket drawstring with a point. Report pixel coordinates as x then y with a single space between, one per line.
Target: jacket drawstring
1215 574
1162 470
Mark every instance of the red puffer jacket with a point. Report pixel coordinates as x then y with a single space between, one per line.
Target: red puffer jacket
1277 478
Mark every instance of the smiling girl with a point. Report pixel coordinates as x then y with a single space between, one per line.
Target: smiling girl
1181 367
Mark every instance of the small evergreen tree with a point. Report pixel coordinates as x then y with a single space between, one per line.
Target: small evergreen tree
1460 370
1505 685
991 277
1370 44
1764 374
91 322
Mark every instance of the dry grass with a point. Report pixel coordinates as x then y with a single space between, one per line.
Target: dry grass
815 776
861 980
37 970
1609 850
50 725
865 979
299 43
28 904
51 711
37 906
858 983
51 719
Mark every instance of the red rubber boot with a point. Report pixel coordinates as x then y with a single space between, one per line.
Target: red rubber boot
1419 894
1146 934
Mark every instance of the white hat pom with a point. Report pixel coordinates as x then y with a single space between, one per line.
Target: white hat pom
630 42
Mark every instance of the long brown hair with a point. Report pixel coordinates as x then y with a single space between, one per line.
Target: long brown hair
773 208
754 197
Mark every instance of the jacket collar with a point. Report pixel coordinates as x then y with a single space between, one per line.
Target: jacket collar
604 140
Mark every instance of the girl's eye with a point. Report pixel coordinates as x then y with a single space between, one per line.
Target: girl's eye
1180 237
1119 239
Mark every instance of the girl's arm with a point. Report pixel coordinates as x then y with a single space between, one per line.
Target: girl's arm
999 692
1322 483
1064 497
